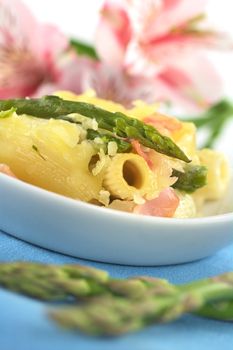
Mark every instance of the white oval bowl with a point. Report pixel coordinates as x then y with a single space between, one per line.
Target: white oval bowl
86 231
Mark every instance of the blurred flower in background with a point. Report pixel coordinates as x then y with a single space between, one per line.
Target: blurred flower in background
165 41
28 50
153 50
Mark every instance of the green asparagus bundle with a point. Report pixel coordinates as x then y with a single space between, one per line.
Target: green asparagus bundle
116 306
117 123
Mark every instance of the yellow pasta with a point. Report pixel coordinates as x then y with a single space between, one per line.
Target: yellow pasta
142 110
185 138
46 154
126 206
90 97
127 175
218 174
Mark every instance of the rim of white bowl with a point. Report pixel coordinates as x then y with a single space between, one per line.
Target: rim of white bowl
124 215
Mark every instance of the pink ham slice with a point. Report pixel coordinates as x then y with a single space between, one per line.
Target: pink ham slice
139 150
6 170
164 205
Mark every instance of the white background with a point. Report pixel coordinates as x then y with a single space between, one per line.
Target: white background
79 18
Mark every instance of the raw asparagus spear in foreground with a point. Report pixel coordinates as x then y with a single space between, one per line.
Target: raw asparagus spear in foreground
116 306
217 310
111 316
117 123
193 178
60 282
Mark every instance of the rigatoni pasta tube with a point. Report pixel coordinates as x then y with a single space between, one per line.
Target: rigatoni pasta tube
128 175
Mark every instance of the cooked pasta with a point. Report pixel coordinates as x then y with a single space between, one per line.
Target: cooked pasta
47 154
186 139
127 175
99 152
218 175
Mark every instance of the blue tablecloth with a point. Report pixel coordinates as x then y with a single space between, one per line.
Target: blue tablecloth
24 326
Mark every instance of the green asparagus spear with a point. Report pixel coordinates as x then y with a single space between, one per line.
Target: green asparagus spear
219 307
117 123
116 316
217 310
193 178
59 283
115 306
113 316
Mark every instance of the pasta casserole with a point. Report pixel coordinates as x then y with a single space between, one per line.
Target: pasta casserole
135 160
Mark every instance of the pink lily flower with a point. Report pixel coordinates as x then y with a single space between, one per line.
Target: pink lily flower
74 73
163 41
113 83
29 51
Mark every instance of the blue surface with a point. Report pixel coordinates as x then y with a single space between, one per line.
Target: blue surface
24 326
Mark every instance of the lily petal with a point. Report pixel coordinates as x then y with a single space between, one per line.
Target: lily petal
153 57
73 75
194 84
115 84
168 14
28 51
113 33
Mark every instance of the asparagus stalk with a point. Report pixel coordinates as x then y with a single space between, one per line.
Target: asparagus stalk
193 178
217 305
115 306
60 282
115 316
117 123
217 310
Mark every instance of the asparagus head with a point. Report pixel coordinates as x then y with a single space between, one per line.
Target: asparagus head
193 178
